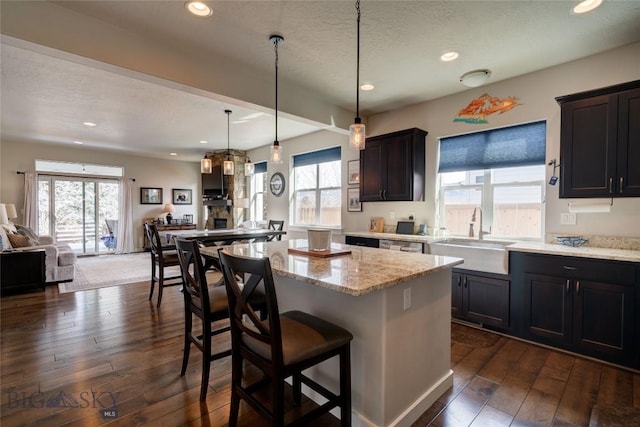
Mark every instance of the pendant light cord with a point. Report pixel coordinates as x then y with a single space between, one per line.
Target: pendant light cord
275 47
358 63
228 114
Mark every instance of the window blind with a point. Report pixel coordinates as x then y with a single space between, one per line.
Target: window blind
260 167
520 145
314 157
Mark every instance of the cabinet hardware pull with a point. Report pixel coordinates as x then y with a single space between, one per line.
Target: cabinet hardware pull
465 282
567 286
577 287
459 280
380 195
621 183
568 267
610 185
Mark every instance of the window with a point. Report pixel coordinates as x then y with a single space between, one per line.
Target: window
317 193
258 185
499 171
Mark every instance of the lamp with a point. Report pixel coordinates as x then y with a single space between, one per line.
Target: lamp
11 211
206 166
276 150
169 208
475 78
228 167
357 129
4 219
249 168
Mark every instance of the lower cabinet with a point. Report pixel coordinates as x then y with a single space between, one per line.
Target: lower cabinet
586 306
480 298
362 241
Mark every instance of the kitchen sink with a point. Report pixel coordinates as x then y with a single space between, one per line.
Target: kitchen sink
489 256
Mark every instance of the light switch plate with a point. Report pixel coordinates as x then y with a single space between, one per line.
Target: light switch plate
568 218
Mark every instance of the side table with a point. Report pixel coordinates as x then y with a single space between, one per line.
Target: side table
22 270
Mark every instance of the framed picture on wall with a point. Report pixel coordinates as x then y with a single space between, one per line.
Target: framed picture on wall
150 196
353 172
353 200
182 196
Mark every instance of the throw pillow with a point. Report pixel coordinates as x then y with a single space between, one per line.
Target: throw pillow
19 241
4 240
9 228
26 231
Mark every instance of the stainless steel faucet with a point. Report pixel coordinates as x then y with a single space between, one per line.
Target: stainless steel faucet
481 233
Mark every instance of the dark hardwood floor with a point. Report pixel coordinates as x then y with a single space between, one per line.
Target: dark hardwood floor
109 357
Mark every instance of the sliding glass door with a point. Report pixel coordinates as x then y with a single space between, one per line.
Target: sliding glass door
76 210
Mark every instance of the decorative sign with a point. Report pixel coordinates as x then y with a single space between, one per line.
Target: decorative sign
478 109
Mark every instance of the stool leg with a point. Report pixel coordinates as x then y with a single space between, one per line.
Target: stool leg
206 360
188 322
345 386
236 382
297 388
153 278
160 283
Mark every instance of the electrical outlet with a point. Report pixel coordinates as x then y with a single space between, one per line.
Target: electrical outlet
567 218
411 216
407 299
392 214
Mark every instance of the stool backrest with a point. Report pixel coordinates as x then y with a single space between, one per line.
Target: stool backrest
260 338
277 225
196 292
154 239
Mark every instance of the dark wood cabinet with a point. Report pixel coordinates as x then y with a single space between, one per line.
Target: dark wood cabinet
22 271
362 241
480 298
579 304
392 167
600 142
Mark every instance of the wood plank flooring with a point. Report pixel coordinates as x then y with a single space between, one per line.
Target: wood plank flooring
109 357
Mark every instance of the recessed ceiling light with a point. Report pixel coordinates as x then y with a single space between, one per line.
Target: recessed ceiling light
78 142
449 56
198 8
237 122
367 86
173 154
586 6
90 124
204 142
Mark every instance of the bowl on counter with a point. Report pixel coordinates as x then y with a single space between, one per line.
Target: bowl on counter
574 241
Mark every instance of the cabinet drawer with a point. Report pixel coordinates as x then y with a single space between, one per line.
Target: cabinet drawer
362 241
580 268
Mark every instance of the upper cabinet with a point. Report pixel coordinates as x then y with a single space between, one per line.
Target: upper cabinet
600 142
392 167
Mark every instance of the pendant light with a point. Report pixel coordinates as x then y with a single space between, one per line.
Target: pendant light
356 130
249 168
228 166
276 150
206 165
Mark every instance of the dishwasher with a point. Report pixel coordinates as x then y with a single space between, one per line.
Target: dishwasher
399 245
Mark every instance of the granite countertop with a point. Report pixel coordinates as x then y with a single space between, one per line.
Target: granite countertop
363 271
582 251
395 236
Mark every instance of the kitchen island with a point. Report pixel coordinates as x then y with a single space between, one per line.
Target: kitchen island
398 307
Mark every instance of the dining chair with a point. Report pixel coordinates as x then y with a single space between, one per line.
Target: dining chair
206 303
276 225
281 346
162 256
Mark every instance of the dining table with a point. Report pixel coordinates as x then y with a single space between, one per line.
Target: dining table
223 236
396 304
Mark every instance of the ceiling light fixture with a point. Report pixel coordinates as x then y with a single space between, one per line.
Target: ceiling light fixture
78 142
449 56
586 6
206 165
475 78
357 129
276 150
89 124
367 86
198 8
173 154
203 142
249 168
227 166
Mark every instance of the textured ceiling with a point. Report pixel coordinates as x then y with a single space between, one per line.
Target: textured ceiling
45 95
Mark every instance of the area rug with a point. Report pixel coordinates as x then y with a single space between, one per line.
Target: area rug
472 337
111 270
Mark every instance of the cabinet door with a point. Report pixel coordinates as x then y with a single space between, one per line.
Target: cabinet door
372 171
486 300
362 241
628 179
547 311
603 318
398 183
588 147
456 295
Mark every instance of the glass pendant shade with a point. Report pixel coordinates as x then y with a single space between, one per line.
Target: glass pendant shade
276 153
206 165
228 166
357 135
249 168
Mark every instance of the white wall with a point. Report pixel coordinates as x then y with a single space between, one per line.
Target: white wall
148 172
536 92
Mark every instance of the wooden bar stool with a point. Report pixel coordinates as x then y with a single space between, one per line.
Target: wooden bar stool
281 346
162 256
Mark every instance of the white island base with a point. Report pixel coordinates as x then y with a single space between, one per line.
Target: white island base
400 358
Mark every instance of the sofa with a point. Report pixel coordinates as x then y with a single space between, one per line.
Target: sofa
60 260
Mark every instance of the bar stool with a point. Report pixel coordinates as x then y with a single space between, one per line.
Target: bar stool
162 256
281 346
